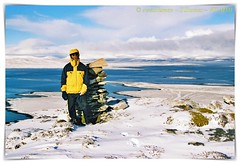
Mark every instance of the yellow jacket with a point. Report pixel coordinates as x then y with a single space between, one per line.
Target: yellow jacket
74 78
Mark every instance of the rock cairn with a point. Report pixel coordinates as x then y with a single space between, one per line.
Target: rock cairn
96 98
95 104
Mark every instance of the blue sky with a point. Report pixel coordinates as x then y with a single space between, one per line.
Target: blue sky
121 31
40 13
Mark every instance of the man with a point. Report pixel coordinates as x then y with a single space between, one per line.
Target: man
74 84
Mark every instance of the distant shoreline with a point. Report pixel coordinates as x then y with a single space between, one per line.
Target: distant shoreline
41 62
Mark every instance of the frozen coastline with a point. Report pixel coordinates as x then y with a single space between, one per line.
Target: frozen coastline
164 122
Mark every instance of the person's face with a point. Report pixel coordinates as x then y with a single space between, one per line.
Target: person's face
75 56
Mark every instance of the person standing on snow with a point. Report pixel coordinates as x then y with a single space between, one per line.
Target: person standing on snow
74 84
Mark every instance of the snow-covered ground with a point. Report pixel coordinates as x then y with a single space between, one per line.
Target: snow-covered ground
158 124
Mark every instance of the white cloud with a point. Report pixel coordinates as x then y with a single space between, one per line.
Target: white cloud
213 45
144 39
123 32
31 46
128 22
55 28
119 23
198 32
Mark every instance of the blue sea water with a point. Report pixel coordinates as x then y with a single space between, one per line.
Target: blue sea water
20 81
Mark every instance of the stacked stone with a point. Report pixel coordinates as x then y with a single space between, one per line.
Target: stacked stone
97 95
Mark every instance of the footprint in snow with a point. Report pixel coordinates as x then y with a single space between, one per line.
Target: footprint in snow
134 142
124 134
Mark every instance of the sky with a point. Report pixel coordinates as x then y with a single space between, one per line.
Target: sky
124 31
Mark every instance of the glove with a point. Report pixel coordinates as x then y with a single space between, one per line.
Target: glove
64 95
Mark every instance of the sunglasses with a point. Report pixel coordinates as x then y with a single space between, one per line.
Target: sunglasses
74 54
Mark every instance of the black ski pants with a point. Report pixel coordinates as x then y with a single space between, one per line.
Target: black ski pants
76 105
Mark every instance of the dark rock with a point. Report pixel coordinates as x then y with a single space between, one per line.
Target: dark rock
196 143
